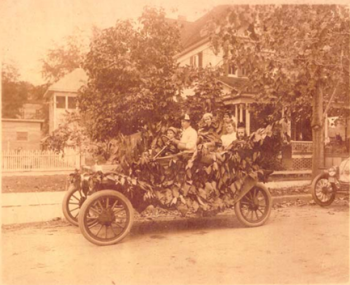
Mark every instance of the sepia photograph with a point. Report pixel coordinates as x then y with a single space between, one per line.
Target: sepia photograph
174 142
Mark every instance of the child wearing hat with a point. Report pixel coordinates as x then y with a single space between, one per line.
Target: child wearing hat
165 143
172 147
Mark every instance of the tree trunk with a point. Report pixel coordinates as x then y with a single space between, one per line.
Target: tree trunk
317 132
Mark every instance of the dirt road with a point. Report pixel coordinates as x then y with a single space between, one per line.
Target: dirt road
306 244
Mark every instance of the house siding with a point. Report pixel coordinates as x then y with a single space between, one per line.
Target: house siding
209 57
57 115
10 130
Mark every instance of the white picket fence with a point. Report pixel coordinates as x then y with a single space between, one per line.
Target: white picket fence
13 160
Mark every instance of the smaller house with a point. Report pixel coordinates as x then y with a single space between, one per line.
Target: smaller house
31 110
21 134
62 96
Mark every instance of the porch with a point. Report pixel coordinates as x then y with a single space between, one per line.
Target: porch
298 156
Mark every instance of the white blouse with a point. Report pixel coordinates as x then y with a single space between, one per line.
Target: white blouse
189 138
228 139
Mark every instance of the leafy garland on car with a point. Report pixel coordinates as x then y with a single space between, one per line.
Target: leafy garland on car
196 183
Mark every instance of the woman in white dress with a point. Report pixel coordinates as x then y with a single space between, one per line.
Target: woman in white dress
229 137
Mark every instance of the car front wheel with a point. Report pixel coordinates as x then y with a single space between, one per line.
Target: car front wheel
322 190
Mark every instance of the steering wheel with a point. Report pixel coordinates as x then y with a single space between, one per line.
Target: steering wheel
166 146
164 136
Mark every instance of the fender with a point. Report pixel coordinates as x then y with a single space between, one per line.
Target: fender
247 185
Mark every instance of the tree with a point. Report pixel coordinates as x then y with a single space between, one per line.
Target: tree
65 57
207 97
73 133
295 56
130 69
14 92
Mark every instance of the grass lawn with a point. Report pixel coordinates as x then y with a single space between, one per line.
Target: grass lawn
42 183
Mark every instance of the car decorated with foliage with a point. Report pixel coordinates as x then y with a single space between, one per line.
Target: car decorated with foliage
206 183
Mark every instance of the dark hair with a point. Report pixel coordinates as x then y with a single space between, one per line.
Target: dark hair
240 125
185 117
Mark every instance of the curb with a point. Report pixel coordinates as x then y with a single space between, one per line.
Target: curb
275 199
291 198
44 212
36 173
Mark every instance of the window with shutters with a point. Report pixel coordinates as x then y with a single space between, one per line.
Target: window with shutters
232 70
197 60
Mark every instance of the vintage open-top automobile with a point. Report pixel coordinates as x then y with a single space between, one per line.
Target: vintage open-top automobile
332 182
103 203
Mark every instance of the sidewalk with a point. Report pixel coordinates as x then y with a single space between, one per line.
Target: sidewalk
37 173
45 206
20 208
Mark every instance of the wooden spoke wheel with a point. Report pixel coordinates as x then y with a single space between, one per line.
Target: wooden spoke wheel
254 208
106 217
71 204
322 190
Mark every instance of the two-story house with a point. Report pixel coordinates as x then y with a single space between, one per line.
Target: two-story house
198 52
62 96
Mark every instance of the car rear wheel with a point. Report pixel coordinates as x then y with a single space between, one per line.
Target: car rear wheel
71 204
254 208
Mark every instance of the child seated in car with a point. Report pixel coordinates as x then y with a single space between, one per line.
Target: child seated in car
166 144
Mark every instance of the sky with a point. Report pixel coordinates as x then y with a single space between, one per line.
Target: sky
30 27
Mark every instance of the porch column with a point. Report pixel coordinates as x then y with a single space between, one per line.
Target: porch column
236 114
247 118
241 112
326 128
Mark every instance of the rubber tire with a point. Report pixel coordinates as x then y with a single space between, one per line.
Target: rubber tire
91 199
241 218
65 209
313 191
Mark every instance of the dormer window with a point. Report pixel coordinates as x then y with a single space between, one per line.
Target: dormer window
66 102
72 102
60 102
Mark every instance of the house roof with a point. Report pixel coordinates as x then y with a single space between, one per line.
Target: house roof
69 83
184 27
238 83
193 32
